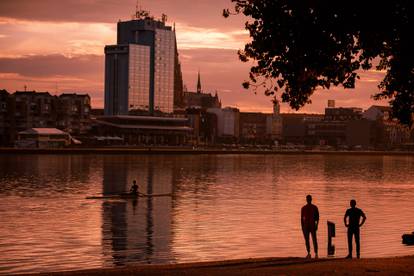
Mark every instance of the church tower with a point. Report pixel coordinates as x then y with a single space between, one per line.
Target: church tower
199 83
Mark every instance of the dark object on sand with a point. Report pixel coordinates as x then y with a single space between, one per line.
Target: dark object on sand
408 239
331 234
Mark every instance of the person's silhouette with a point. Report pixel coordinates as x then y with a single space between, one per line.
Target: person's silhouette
309 222
134 188
354 216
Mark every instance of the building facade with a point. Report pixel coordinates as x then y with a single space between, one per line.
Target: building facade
4 117
43 138
142 72
254 128
391 133
228 124
204 126
73 113
30 109
144 130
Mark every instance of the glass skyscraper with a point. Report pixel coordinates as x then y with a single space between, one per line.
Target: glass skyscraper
141 70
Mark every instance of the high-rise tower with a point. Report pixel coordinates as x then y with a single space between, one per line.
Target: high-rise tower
141 69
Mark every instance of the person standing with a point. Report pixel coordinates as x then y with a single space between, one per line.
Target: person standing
309 222
353 223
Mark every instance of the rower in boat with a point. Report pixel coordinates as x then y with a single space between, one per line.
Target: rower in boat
134 188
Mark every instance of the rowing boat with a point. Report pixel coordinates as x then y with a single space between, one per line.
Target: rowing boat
126 196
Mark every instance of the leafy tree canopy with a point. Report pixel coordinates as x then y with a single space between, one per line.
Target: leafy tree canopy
301 45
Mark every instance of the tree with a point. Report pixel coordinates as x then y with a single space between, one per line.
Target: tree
302 45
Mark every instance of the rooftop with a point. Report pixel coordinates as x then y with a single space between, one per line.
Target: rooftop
46 131
154 127
145 118
31 93
382 108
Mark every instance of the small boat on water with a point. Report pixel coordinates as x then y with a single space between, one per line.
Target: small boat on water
408 239
126 196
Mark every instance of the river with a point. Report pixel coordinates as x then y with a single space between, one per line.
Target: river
222 207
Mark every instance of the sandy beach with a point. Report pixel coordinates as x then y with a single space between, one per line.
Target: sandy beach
268 266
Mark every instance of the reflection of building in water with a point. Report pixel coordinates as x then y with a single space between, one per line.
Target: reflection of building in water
69 173
345 175
137 230
115 174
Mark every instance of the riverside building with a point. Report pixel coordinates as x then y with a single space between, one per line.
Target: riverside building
22 110
142 71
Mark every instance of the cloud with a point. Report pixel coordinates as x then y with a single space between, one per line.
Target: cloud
66 11
62 42
190 37
74 38
52 65
55 85
41 38
196 13
55 73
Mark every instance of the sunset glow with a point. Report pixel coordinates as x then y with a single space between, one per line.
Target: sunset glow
62 50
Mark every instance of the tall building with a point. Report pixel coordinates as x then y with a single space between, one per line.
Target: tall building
142 71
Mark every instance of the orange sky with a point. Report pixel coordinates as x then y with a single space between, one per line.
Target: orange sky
58 46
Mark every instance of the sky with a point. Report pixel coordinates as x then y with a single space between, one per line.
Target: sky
58 46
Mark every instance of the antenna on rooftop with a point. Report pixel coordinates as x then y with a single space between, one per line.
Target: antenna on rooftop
140 13
164 18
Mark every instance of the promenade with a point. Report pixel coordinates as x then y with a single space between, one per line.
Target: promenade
189 150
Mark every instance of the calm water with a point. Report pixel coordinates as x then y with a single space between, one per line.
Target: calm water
223 207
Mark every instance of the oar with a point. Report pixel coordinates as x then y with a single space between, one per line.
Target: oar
154 195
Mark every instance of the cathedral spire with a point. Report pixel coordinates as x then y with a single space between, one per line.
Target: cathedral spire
199 83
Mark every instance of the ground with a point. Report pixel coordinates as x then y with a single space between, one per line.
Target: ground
268 266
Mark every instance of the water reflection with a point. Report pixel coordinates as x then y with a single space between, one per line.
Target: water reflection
43 175
137 230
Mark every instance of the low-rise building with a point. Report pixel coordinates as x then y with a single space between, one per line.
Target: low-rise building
391 133
144 130
43 138
204 126
300 128
343 113
30 109
4 117
254 128
74 112
228 120
377 112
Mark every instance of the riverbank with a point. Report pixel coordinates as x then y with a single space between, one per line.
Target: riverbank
186 150
267 266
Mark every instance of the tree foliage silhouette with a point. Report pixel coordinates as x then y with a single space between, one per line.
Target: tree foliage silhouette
302 45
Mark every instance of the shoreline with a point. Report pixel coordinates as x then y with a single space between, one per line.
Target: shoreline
189 151
264 266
